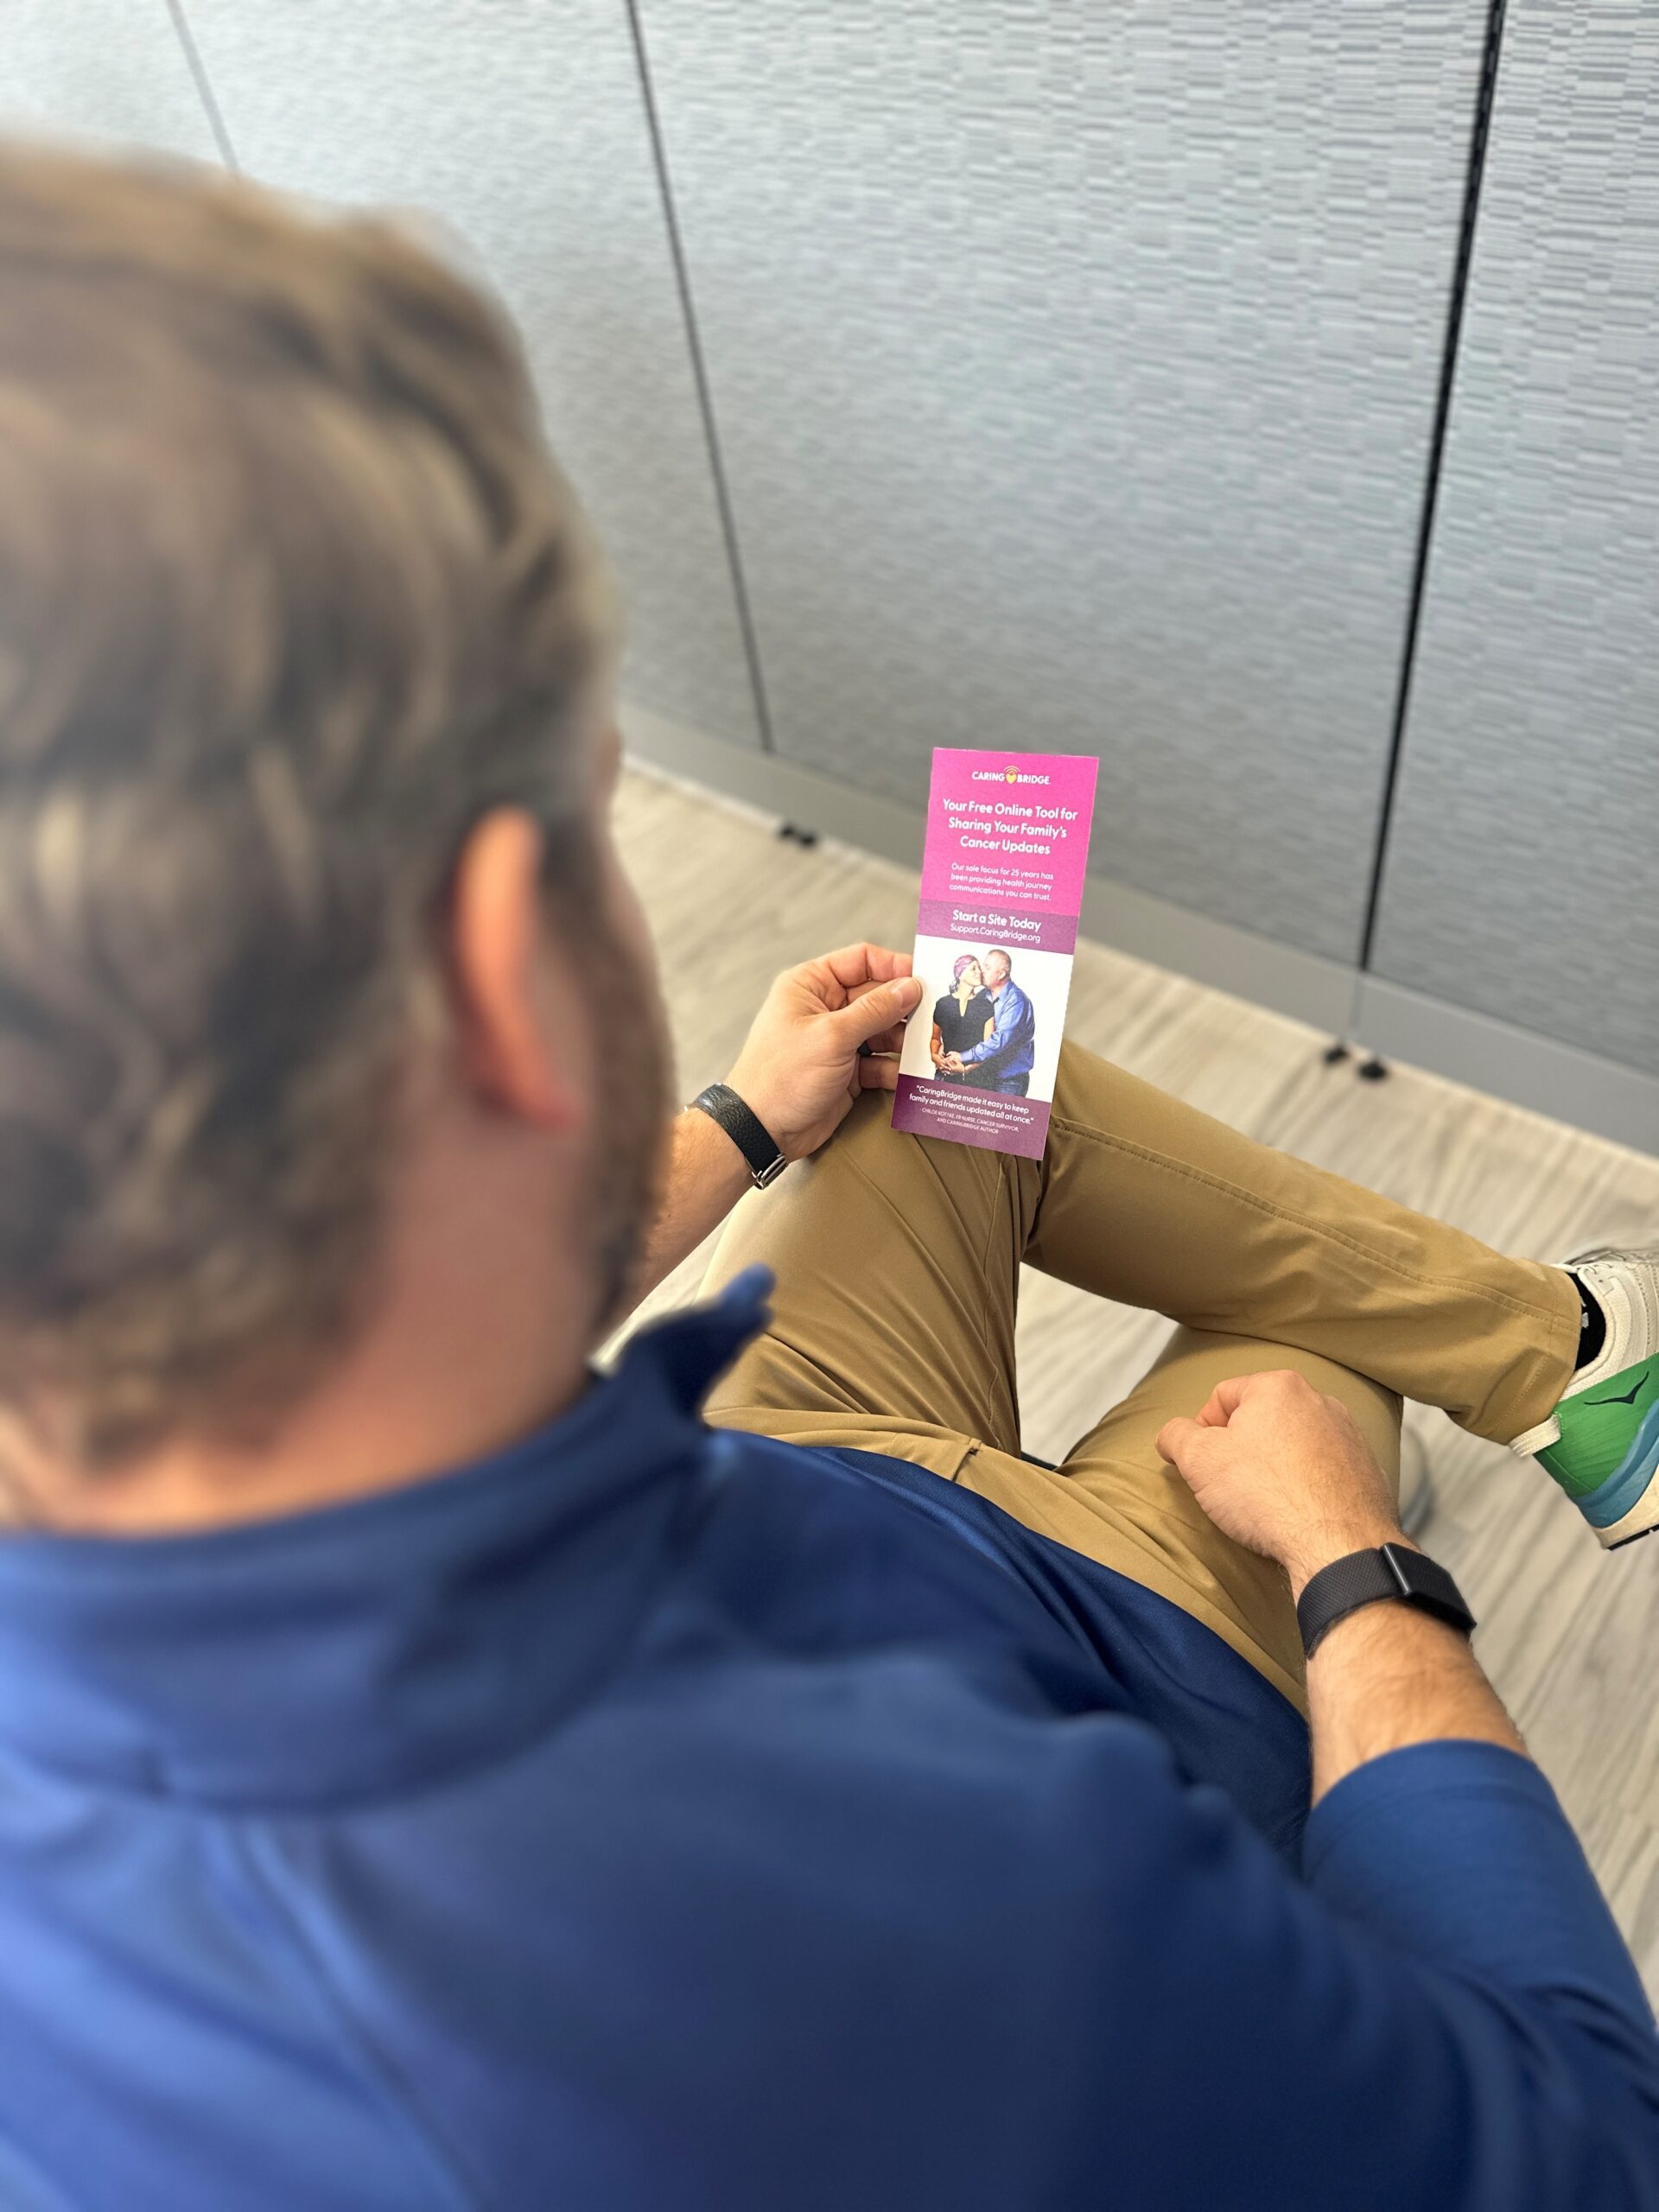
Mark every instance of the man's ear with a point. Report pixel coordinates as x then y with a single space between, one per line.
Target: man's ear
500 977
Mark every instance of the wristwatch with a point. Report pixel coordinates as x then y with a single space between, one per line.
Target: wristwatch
1391 1571
747 1131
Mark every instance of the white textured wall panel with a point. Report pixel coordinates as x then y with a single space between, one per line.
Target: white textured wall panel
1523 871
100 69
521 121
1076 366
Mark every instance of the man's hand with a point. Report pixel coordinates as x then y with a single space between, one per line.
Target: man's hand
953 1063
799 1069
800 1072
1282 1469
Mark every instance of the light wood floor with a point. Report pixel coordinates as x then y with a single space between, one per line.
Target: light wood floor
1570 1635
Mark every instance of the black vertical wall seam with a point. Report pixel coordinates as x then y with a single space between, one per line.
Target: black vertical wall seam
204 89
1479 130
700 377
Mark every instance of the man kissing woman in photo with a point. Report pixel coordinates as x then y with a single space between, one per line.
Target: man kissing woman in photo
983 1027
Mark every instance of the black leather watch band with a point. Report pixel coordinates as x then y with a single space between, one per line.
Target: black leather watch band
1392 1570
747 1131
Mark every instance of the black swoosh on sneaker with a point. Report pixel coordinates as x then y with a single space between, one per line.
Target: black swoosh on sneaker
1629 1398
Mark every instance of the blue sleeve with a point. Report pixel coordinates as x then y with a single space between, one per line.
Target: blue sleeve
1005 1020
1460 1852
1442 2016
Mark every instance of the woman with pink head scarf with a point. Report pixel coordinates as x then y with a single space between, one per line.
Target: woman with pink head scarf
960 1019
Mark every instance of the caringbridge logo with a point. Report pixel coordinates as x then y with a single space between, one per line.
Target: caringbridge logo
1008 775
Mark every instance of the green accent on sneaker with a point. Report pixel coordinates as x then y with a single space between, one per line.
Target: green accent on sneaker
1598 1426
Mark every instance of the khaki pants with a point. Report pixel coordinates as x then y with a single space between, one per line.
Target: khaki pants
898 1258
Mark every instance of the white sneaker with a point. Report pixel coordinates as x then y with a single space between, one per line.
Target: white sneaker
1601 1444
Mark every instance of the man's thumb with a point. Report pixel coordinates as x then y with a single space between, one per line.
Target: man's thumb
880 1009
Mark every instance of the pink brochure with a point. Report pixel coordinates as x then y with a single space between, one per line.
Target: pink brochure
1007 838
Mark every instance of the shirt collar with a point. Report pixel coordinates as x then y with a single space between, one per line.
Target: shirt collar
352 1651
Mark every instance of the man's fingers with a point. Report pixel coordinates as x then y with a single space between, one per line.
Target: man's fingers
890 1040
878 1009
1178 1439
1221 1403
1228 1396
855 966
877 1075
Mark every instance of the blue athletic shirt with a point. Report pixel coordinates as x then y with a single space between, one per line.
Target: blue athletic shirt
652 1818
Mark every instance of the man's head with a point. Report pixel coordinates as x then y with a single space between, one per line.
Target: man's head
998 967
304 675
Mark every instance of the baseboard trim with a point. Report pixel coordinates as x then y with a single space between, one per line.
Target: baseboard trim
1563 1081
1559 1080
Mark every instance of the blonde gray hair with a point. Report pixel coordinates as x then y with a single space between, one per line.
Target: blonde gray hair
290 593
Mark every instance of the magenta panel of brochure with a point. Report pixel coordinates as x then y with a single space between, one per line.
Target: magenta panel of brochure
1002 877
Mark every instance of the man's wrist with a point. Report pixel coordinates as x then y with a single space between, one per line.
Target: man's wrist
1323 1546
750 1080
750 1137
707 1150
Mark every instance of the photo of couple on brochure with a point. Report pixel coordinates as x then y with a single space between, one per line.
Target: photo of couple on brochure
984 1030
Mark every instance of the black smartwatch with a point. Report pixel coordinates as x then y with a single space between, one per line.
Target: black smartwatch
1392 1570
747 1131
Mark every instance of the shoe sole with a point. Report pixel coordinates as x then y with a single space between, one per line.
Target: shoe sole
1627 1505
